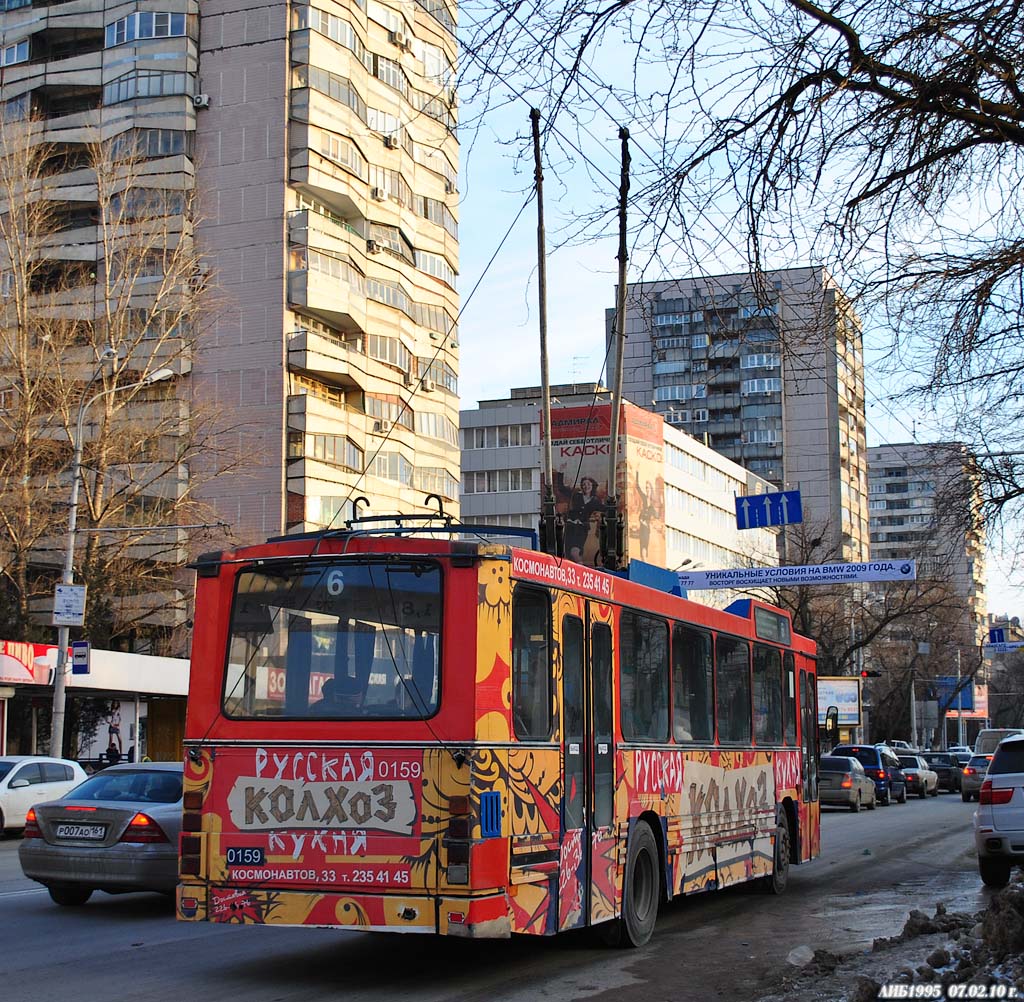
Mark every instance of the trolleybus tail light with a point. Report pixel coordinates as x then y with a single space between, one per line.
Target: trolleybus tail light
32 829
457 841
190 856
143 829
192 807
990 796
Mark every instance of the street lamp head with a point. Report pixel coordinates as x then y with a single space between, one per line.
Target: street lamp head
108 354
158 376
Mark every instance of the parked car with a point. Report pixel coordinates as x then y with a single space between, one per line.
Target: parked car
844 782
882 767
973 775
26 780
116 832
946 767
921 779
901 747
999 820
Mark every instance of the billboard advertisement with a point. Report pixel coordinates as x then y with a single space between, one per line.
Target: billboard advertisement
842 692
979 711
580 440
26 664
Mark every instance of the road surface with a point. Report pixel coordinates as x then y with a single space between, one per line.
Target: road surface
875 867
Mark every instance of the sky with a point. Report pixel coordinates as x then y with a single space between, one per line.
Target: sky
499 339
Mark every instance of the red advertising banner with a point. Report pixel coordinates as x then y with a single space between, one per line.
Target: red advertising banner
26 664
580 439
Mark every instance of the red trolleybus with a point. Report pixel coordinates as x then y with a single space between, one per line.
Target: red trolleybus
433 733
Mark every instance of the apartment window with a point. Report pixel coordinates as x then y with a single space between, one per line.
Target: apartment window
437 426
391 239
16 53
749 386
145 24
389 350
391 73
440 372
497 481
343 152
495 436
147 143
436 480
437 212
337 449
335 87
434 264
310 259
681 391
146 83
392 466
767 360
335 28
6 398
389 293
388 409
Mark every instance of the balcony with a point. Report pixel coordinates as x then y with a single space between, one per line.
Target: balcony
329 297
324 180
329 233
328 359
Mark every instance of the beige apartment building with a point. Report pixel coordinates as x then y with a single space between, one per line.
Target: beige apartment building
320 139
326 147
769 374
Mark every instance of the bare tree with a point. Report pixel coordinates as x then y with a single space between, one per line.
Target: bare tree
882 140
115 271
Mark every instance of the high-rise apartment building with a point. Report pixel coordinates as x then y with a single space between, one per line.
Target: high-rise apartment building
329 155
320 141
677 493
768 373
925 505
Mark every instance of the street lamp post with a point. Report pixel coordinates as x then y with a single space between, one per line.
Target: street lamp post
68 576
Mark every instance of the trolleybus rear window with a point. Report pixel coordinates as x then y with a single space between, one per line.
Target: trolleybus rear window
335 641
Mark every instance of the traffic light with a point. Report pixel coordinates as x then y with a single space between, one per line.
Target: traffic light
865 673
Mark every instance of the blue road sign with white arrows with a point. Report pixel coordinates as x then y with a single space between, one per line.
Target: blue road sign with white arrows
760 510
997 635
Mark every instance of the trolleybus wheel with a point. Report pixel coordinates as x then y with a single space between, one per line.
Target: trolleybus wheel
641 892
775 882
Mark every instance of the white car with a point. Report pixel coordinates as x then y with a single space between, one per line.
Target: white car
27 780
999 820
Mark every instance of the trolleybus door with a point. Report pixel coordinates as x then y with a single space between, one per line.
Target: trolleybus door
587 863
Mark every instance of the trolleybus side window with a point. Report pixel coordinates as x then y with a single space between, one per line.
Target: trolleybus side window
573 731
732 690
789 698
767 695
693 685
601 680
643 666
531 664
808 704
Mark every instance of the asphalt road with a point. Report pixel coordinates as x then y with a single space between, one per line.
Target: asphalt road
875 867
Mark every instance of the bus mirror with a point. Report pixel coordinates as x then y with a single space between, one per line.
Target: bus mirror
831 727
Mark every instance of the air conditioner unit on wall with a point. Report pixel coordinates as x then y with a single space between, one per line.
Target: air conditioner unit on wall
429 386
372 247
381 427
200 100
378 194
400 39
391 142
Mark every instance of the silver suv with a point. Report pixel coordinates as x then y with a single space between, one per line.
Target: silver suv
999 820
